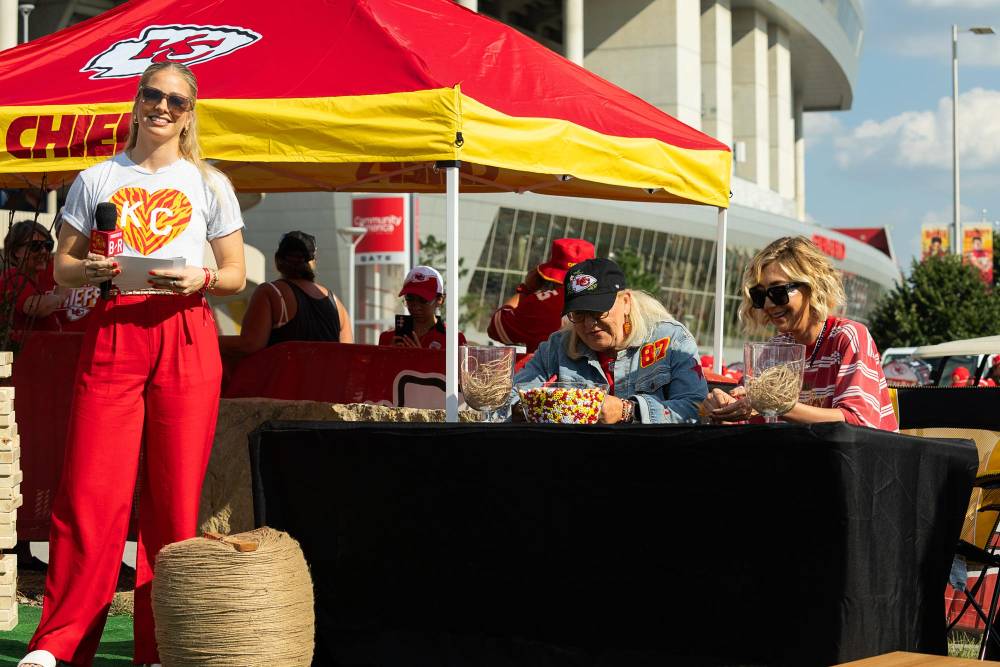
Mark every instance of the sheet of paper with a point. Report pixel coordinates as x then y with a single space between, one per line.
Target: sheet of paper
135 270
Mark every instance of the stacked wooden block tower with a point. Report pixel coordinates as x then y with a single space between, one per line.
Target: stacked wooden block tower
10 497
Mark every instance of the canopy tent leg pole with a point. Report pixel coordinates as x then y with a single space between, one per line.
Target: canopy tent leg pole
720 287
451 287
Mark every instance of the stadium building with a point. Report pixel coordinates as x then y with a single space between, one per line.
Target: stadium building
744 71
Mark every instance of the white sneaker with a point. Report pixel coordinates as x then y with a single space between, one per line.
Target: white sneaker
39 659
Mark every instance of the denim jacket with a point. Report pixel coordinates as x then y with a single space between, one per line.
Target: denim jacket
663 373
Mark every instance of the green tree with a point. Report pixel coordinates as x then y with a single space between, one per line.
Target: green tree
941 300
636 275
434 252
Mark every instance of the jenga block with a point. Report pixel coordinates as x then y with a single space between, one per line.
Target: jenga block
8 517
8 431
7 444
5 370
8 591
11 492
7 419
7 393
6 357
11 455
6 406
8 469
6 615
8 530
8 542
12 504
8 569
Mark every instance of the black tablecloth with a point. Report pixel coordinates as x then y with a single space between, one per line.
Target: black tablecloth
510 544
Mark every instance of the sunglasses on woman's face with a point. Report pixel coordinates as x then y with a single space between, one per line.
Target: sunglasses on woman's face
175 102
40 246
778 294
580 316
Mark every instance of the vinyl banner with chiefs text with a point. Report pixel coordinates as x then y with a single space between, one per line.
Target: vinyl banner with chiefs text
386 219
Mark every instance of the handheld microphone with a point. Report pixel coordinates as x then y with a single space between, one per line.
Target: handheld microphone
106 239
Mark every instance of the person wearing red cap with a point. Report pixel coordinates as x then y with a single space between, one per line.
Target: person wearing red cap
961 377
423 292
534 312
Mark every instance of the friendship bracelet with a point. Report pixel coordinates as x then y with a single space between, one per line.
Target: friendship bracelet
628 412
208 279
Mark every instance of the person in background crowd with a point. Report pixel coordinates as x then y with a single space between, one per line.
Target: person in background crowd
625 339
961 377
26 285
994 372
534 312
793 286
294 307
423 293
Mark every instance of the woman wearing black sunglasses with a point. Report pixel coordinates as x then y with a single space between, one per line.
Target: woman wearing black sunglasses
26 286
149 376
792 286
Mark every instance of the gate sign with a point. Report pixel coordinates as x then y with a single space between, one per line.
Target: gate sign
385 218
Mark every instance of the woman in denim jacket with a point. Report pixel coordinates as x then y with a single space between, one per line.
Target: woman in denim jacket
623 338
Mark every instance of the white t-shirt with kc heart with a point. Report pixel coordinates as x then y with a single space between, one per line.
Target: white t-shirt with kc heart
162 214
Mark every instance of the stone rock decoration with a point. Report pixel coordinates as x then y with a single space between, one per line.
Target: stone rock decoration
10 497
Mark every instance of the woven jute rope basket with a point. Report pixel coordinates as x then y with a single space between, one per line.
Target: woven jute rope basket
236 601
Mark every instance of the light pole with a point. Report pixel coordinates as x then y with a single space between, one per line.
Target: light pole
26 10
957 215
354 236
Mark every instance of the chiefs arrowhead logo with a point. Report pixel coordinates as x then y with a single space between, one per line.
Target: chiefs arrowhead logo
151 220
582 282
183 44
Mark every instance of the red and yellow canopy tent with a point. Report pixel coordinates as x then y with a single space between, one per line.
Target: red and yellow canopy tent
357 95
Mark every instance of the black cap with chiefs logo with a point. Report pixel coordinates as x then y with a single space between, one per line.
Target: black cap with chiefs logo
593 285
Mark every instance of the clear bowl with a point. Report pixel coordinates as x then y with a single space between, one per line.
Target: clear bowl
563 402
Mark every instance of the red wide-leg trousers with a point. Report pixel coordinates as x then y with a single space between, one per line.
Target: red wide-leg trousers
148 380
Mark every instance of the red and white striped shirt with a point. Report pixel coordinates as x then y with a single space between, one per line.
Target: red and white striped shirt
846 373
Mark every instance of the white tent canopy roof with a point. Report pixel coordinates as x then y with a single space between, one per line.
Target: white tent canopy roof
984 345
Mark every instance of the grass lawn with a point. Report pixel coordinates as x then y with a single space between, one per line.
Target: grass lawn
115 650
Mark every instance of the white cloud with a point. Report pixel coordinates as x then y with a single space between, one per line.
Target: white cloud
922 139
945 216
955 4
821 124
972 50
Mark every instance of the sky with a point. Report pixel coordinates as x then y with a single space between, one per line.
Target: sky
887 161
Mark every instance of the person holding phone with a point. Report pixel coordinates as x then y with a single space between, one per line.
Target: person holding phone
423 294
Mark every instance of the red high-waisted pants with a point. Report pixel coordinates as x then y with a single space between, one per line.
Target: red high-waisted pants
148 379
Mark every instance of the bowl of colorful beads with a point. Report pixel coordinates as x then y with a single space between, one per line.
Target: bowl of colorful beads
563 403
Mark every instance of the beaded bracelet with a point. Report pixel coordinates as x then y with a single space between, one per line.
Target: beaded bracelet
215 279
628 412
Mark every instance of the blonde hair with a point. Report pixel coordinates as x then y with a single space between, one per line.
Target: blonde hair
189 148
646 313
802 262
